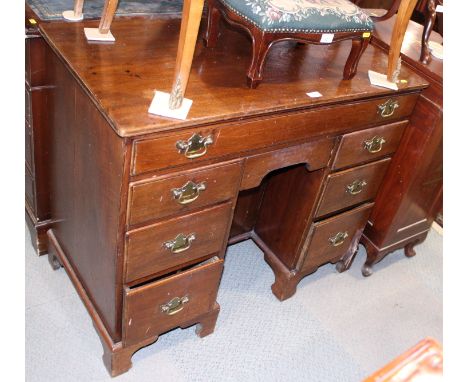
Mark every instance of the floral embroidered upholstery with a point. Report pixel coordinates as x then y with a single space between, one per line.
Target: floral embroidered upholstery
312 16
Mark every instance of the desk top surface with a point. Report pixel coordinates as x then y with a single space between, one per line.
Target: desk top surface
121 77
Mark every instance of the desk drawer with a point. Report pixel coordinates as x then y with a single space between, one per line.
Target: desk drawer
177 300
368 145
183 192
350 187
192 236
232 139
332 238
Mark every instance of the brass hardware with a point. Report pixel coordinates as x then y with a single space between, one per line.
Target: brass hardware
338 239
174 306
189 192
180 244
374 145
195 147
387 108
356 187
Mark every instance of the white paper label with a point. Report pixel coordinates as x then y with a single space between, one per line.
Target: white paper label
314 94
160 106
379 79
327 37
440 8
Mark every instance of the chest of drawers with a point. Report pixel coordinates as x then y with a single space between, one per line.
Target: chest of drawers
144 207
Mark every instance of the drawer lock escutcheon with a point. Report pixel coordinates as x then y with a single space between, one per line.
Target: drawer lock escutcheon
356 187
180 244
387 108
374 145
189 192
195 147
174 306
338 239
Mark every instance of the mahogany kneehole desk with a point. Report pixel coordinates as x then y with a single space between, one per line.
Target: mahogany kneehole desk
144 207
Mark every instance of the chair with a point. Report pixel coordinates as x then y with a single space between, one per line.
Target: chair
306 21
429 8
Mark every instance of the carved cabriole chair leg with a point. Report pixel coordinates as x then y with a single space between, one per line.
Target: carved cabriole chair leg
430 16
212 29
261 43
357 49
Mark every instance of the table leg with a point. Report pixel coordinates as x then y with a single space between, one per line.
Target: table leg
78 8
76 14
107 15
191 17
405 10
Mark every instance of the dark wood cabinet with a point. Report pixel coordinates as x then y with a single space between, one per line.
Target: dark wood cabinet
142 215
37 96
411 195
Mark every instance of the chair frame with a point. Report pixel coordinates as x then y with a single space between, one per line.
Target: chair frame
262 41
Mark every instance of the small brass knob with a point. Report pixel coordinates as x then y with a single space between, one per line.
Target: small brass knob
338 239
180 243
356 187
374 145
175 305
195 147
189 192
387 108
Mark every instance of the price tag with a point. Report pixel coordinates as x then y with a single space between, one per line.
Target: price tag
440 8
314 94
327 37
379 79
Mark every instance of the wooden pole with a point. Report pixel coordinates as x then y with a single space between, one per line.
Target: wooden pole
78 8
107 15
405 11
191 17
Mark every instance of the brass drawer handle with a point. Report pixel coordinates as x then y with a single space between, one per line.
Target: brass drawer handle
180 244
338 239
387 108
356 187
374 145
195 147
175 305
189 192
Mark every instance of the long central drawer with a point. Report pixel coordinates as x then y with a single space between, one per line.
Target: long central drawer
207 143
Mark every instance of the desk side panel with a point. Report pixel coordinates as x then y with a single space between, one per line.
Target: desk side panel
408 199
87 174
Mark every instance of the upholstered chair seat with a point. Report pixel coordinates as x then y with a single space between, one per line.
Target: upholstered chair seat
270 21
